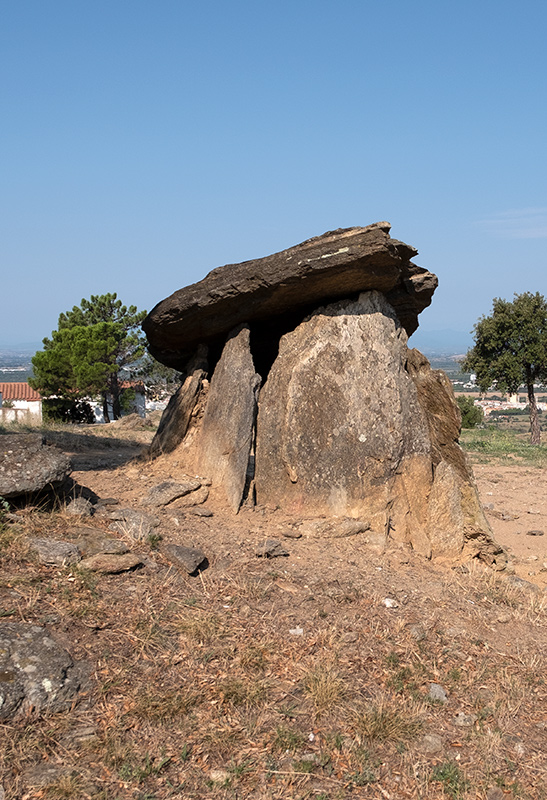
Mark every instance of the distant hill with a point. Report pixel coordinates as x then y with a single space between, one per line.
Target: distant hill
15 361
441 343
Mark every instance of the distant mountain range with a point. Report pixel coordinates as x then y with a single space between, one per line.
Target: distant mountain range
441 343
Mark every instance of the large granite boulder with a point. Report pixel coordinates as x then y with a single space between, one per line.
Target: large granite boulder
352 424
36 673
275 293
28 465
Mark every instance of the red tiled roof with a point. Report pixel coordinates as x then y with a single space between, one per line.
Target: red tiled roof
138 386
18 391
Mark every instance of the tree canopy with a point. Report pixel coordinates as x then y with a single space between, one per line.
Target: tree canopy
511 349
83 358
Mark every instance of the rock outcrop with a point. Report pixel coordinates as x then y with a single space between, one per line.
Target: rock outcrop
28 465
350 425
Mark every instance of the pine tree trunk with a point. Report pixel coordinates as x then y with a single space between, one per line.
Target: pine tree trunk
115 393
535 432
106 415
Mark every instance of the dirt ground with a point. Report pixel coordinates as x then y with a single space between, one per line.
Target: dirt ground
306 676
515 501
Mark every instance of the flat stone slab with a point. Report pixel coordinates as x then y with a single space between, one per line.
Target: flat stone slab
271 549
92 541
228 422
28 465
187 558
36 673
135 524
193 499
164 493
54 552
111 564
280 289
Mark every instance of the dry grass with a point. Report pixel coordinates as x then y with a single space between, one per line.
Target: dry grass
387 720
198 688
325 688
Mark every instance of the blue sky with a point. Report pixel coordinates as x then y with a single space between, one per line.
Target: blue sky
144 144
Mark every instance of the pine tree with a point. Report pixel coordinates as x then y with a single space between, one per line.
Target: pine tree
84 356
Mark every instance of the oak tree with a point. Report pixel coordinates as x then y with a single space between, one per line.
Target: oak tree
511 349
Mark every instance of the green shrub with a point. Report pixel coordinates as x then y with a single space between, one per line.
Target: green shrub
472 415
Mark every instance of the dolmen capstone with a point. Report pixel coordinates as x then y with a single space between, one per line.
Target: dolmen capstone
299 392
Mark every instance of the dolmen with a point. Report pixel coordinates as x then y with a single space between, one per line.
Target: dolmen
299 392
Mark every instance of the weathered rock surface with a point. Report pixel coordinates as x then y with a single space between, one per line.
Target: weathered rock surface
28 465
228 423
457 523
279 290
54 552
332 528
186 558
271 548
111 563
36 674
91 541
195 498
176 417
344 431
165 492
137 525
340 428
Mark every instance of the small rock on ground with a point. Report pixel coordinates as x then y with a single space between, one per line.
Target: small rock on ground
79 507
37 674
437 692
164 493
200 511
332 529
271 549
463 720
431 743
55 553
188 558
137 525
195 498
90 544
111 564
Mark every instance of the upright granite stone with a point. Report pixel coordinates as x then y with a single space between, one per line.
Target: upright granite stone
457 522
229 419
176 417
340 429
28 465
341 432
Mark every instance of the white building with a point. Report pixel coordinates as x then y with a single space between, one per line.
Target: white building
20 403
